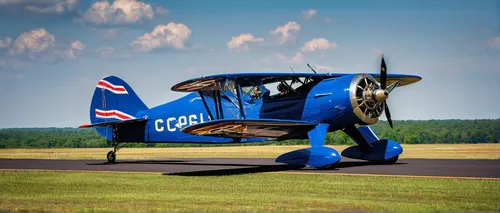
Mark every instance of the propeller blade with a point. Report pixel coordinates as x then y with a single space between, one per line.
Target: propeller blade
388 114
383 73
392 86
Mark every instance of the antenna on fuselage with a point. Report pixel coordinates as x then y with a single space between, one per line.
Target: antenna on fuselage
313 70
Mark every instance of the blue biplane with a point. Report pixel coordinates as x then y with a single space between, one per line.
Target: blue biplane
257 107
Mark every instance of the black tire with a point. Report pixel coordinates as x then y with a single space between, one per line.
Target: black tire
392 160
111 157
387 162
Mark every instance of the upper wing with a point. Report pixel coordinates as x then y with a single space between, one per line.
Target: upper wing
254 79
265 128
244 79
402 78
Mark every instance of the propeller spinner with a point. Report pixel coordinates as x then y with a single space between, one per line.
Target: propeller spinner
371 96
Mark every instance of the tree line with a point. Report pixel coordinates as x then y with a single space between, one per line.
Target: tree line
405 132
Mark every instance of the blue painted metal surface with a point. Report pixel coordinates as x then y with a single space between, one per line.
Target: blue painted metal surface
314 157
382 150
112 93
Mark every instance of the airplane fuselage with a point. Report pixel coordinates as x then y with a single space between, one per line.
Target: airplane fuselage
327 102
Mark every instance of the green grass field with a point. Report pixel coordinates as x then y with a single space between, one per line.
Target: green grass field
107 191
82 191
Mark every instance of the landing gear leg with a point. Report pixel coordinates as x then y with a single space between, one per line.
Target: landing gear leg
111 156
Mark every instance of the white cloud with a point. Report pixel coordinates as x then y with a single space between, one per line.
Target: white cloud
299 57
34 41
39 44
318 44
172 34
242 41
120 12
494 42
65 54
328 19
4 43
324 68
162 11
77 45
44 6
287 31
309 13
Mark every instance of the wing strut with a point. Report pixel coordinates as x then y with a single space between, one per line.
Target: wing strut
216 104
219 103
206 105
240 102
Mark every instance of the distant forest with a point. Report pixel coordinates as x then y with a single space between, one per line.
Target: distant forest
406 132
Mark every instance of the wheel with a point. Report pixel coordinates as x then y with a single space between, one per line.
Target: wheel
392 160
111 157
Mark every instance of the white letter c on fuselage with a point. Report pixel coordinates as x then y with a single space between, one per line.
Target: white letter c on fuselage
157 126
169 126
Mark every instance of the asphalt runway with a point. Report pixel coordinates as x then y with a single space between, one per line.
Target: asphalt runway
235 166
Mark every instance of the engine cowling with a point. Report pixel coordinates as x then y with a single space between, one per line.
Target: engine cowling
365 97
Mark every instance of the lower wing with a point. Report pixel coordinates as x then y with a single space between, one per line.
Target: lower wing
264 128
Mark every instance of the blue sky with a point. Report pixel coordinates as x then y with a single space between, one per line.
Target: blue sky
53 52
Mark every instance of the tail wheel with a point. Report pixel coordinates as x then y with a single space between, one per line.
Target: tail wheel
111 157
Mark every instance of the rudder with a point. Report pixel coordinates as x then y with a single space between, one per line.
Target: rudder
114 100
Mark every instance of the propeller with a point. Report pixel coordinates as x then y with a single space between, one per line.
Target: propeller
371 96
382 93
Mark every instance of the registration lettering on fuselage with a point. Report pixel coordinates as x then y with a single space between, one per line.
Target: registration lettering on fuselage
173 124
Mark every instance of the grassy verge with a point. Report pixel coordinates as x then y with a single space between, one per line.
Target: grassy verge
80 191
436 151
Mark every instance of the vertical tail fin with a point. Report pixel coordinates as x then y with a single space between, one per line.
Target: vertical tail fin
114 100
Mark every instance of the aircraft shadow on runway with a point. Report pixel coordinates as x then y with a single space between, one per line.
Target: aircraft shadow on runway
243 168
267 168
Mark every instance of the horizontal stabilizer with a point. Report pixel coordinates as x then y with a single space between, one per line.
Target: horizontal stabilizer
112 123
264 128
